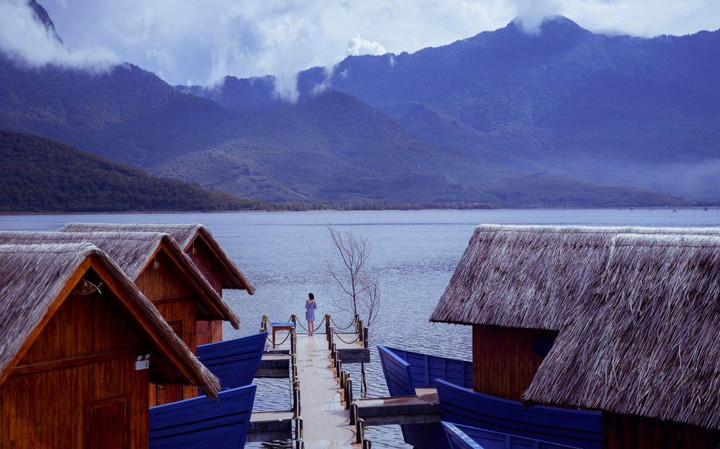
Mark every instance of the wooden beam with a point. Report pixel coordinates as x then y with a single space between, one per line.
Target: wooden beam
22 370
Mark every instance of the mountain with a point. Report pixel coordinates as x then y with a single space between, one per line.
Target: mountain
607 109
41 175
401 144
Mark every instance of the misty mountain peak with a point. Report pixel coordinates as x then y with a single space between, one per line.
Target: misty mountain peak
43 17
554 26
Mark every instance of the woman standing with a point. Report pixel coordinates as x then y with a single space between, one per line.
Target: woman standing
310 306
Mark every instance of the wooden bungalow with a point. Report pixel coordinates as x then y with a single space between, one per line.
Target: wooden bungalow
164 274
79 345
517 286
645 349
200 245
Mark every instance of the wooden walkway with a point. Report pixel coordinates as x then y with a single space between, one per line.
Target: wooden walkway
326 422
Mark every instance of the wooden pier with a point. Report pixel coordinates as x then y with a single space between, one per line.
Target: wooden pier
322 390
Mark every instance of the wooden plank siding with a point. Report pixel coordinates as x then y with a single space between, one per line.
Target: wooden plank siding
83 359
623 431
163 284
505 360
208 331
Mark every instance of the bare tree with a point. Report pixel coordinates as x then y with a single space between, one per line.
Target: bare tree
360 288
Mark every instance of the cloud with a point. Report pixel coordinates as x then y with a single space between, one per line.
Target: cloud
205 41
531 13
358 46
25 39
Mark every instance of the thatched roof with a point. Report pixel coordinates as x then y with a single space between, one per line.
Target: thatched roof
185 234
648 342
133 252
32 281
530 276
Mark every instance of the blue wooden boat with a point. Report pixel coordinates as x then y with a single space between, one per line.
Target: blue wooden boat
203 422
236 361
578 428
466 437
400 369
426 369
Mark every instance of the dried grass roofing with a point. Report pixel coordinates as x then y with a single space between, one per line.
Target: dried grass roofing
185 234
647 343
530 276
132 251
31 280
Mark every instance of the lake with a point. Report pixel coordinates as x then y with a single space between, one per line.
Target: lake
414 254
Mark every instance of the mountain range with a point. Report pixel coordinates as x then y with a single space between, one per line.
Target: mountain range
38 174
564 117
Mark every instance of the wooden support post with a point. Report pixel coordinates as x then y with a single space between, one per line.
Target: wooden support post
367 444
359 431
353 414
365 337
296 402
327 326
348 394
293 342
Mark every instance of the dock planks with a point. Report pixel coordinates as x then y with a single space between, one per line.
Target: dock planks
326 421
421 409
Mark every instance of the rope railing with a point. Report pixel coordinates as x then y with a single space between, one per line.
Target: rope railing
336 334
317 326
352 323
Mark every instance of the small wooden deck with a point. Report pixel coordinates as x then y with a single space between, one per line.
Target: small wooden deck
326 421
420 409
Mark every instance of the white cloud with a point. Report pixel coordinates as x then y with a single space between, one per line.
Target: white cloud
358 46
205 41
531 13
25 39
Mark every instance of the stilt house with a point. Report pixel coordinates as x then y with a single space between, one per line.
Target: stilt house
200 245
79 345
164 274
517 286
645 349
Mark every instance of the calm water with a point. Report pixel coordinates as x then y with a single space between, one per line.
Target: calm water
413 252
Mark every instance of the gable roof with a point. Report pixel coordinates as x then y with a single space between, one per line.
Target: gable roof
185 235
531 276
647 342
133 252
36 279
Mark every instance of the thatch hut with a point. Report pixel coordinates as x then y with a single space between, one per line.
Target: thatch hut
517 286
72 327
200 245
645 348
163 273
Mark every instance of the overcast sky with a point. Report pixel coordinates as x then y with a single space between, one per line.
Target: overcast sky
200 41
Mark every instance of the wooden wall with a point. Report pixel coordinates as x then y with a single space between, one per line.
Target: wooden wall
622 431
77 387
167 287
505 360
209 331
202 256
